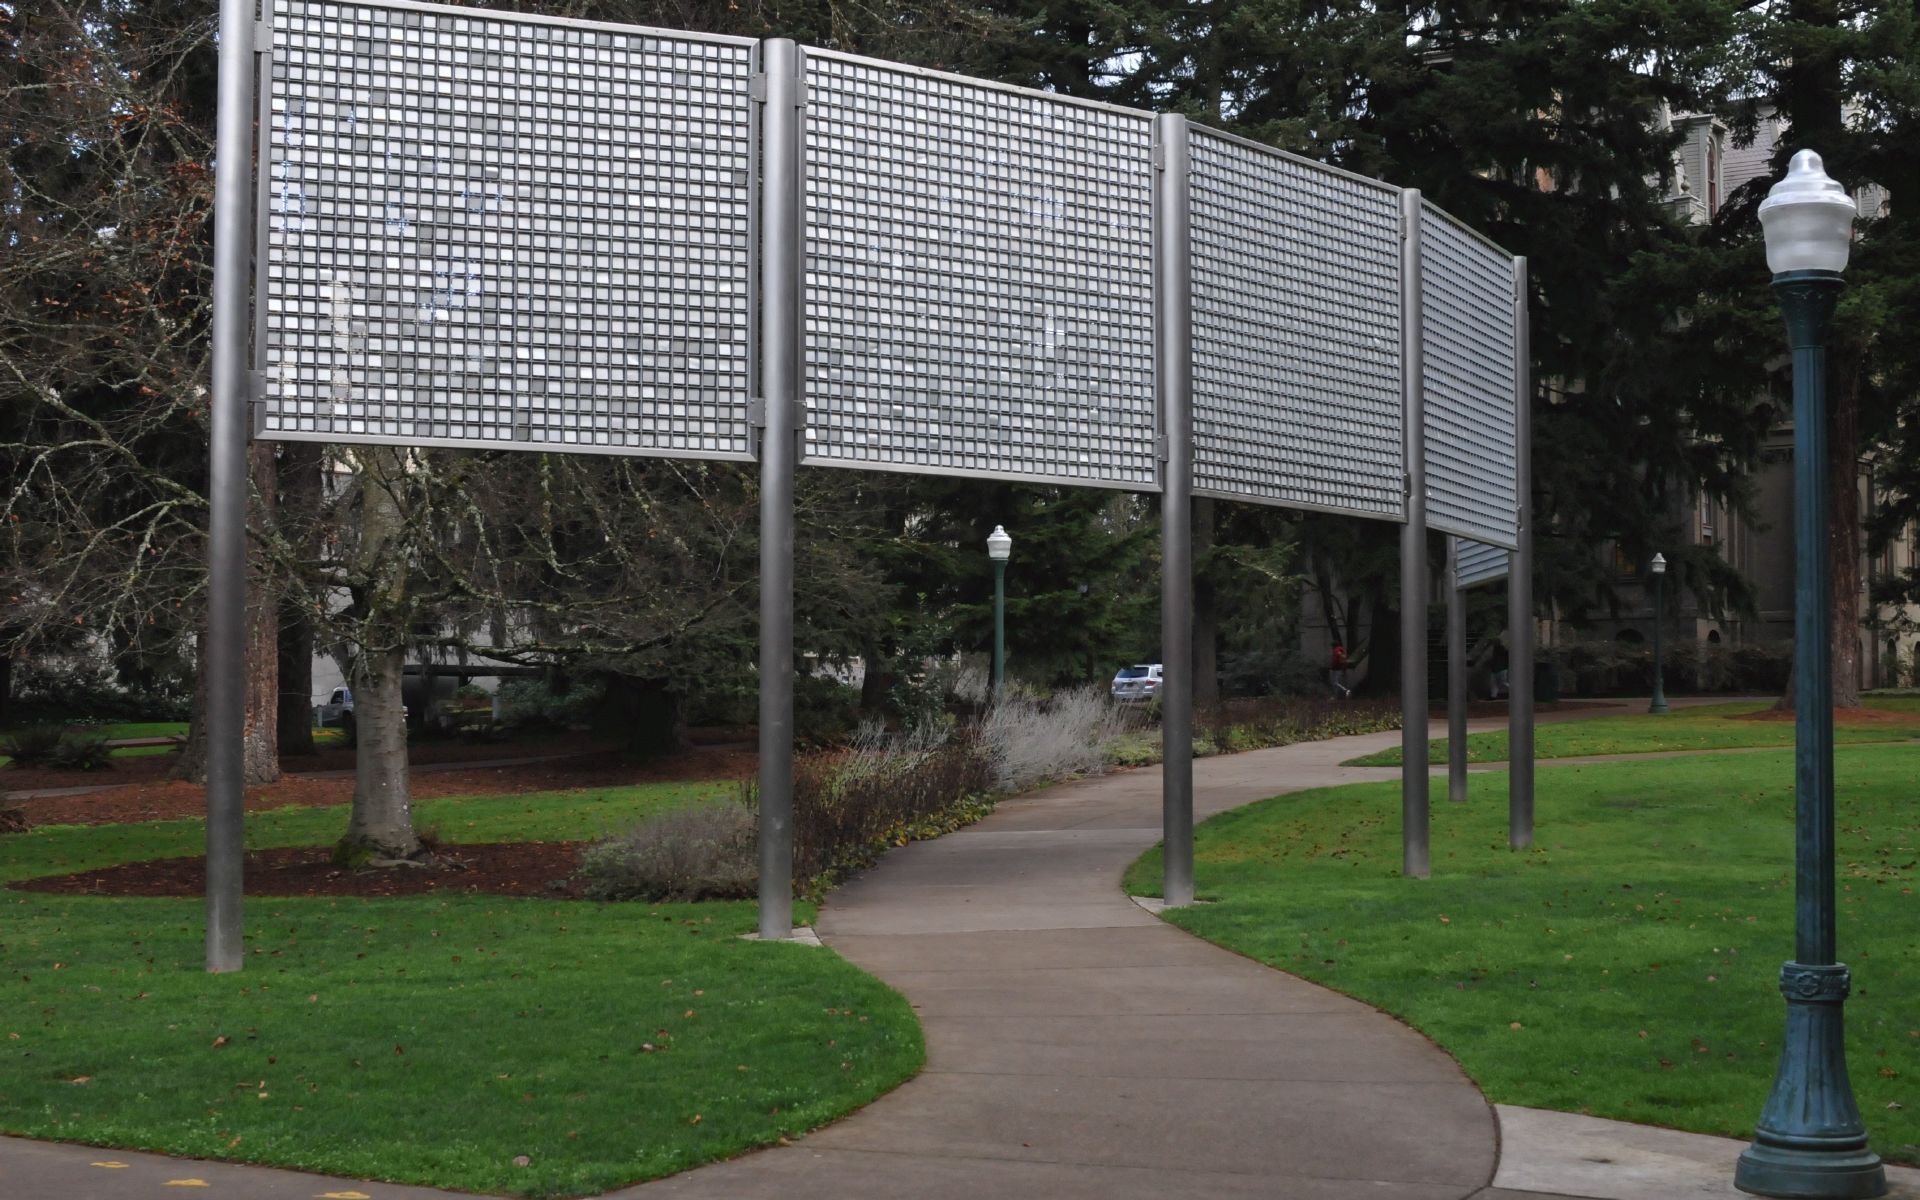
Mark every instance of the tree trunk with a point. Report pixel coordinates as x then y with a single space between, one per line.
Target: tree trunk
191 766
1382 651
300 500
1843 533
381 825
1206 656
1843 524
262 755
296 681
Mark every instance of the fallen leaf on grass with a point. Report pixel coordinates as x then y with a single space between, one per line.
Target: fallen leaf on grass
521 1160
219 1041
85 1078
696 1119
1515 1025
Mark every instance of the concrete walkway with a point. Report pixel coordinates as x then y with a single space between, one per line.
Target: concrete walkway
1079 1047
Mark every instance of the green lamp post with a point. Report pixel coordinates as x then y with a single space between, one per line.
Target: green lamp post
1659 568
1810 1140
999 549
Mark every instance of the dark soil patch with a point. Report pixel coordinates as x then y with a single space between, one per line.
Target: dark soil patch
1841 716
154 799
1498 708
494 869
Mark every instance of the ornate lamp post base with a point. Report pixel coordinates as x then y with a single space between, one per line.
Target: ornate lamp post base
1811 1142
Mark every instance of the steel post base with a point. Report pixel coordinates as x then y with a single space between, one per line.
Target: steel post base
1810 1143
1810 1174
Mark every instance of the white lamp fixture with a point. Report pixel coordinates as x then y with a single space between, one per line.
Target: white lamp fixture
1659 564
1808 219
999 544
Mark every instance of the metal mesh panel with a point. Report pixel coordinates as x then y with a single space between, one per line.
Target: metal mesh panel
1481 563
1296 332
978 292
1467 310
488 230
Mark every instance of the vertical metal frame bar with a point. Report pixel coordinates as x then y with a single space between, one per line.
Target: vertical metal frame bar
262 200
756 316
1415 855
1520 579
780 167
223 665
1173 384
1456 676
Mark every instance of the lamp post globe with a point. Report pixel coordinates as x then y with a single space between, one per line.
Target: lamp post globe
999 549
1810 1140
1659 569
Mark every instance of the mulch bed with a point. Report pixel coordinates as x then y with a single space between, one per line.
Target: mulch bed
150 798
496 869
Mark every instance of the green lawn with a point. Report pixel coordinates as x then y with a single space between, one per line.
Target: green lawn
432 1040
1708 727
538 816
1625 967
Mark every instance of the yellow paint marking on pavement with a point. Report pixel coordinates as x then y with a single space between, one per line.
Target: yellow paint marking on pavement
186 1183
108 1165
345 1196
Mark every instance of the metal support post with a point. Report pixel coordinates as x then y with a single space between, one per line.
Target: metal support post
1810 1140
1659 702
1415 853
1173 380
1520 580
780 168
223 673
1456 676
999 630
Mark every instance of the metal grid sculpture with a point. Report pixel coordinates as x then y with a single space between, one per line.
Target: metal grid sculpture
978 290
486 229
478 229
1466 286
1480 563
1296 331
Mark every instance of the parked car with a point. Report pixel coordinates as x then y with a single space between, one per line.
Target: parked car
339 704
1141 681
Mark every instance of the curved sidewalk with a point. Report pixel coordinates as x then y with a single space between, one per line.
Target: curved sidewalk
1078 1047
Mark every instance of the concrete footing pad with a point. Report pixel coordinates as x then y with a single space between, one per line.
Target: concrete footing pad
1568 1154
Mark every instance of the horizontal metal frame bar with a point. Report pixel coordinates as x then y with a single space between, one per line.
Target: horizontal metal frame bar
986 84
1490 537
361 439
526 18
1117 485
1399 518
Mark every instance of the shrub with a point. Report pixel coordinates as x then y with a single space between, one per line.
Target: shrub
33 746
1073 733
82 750
1256 724
704 853
52 746
848 806
80 687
